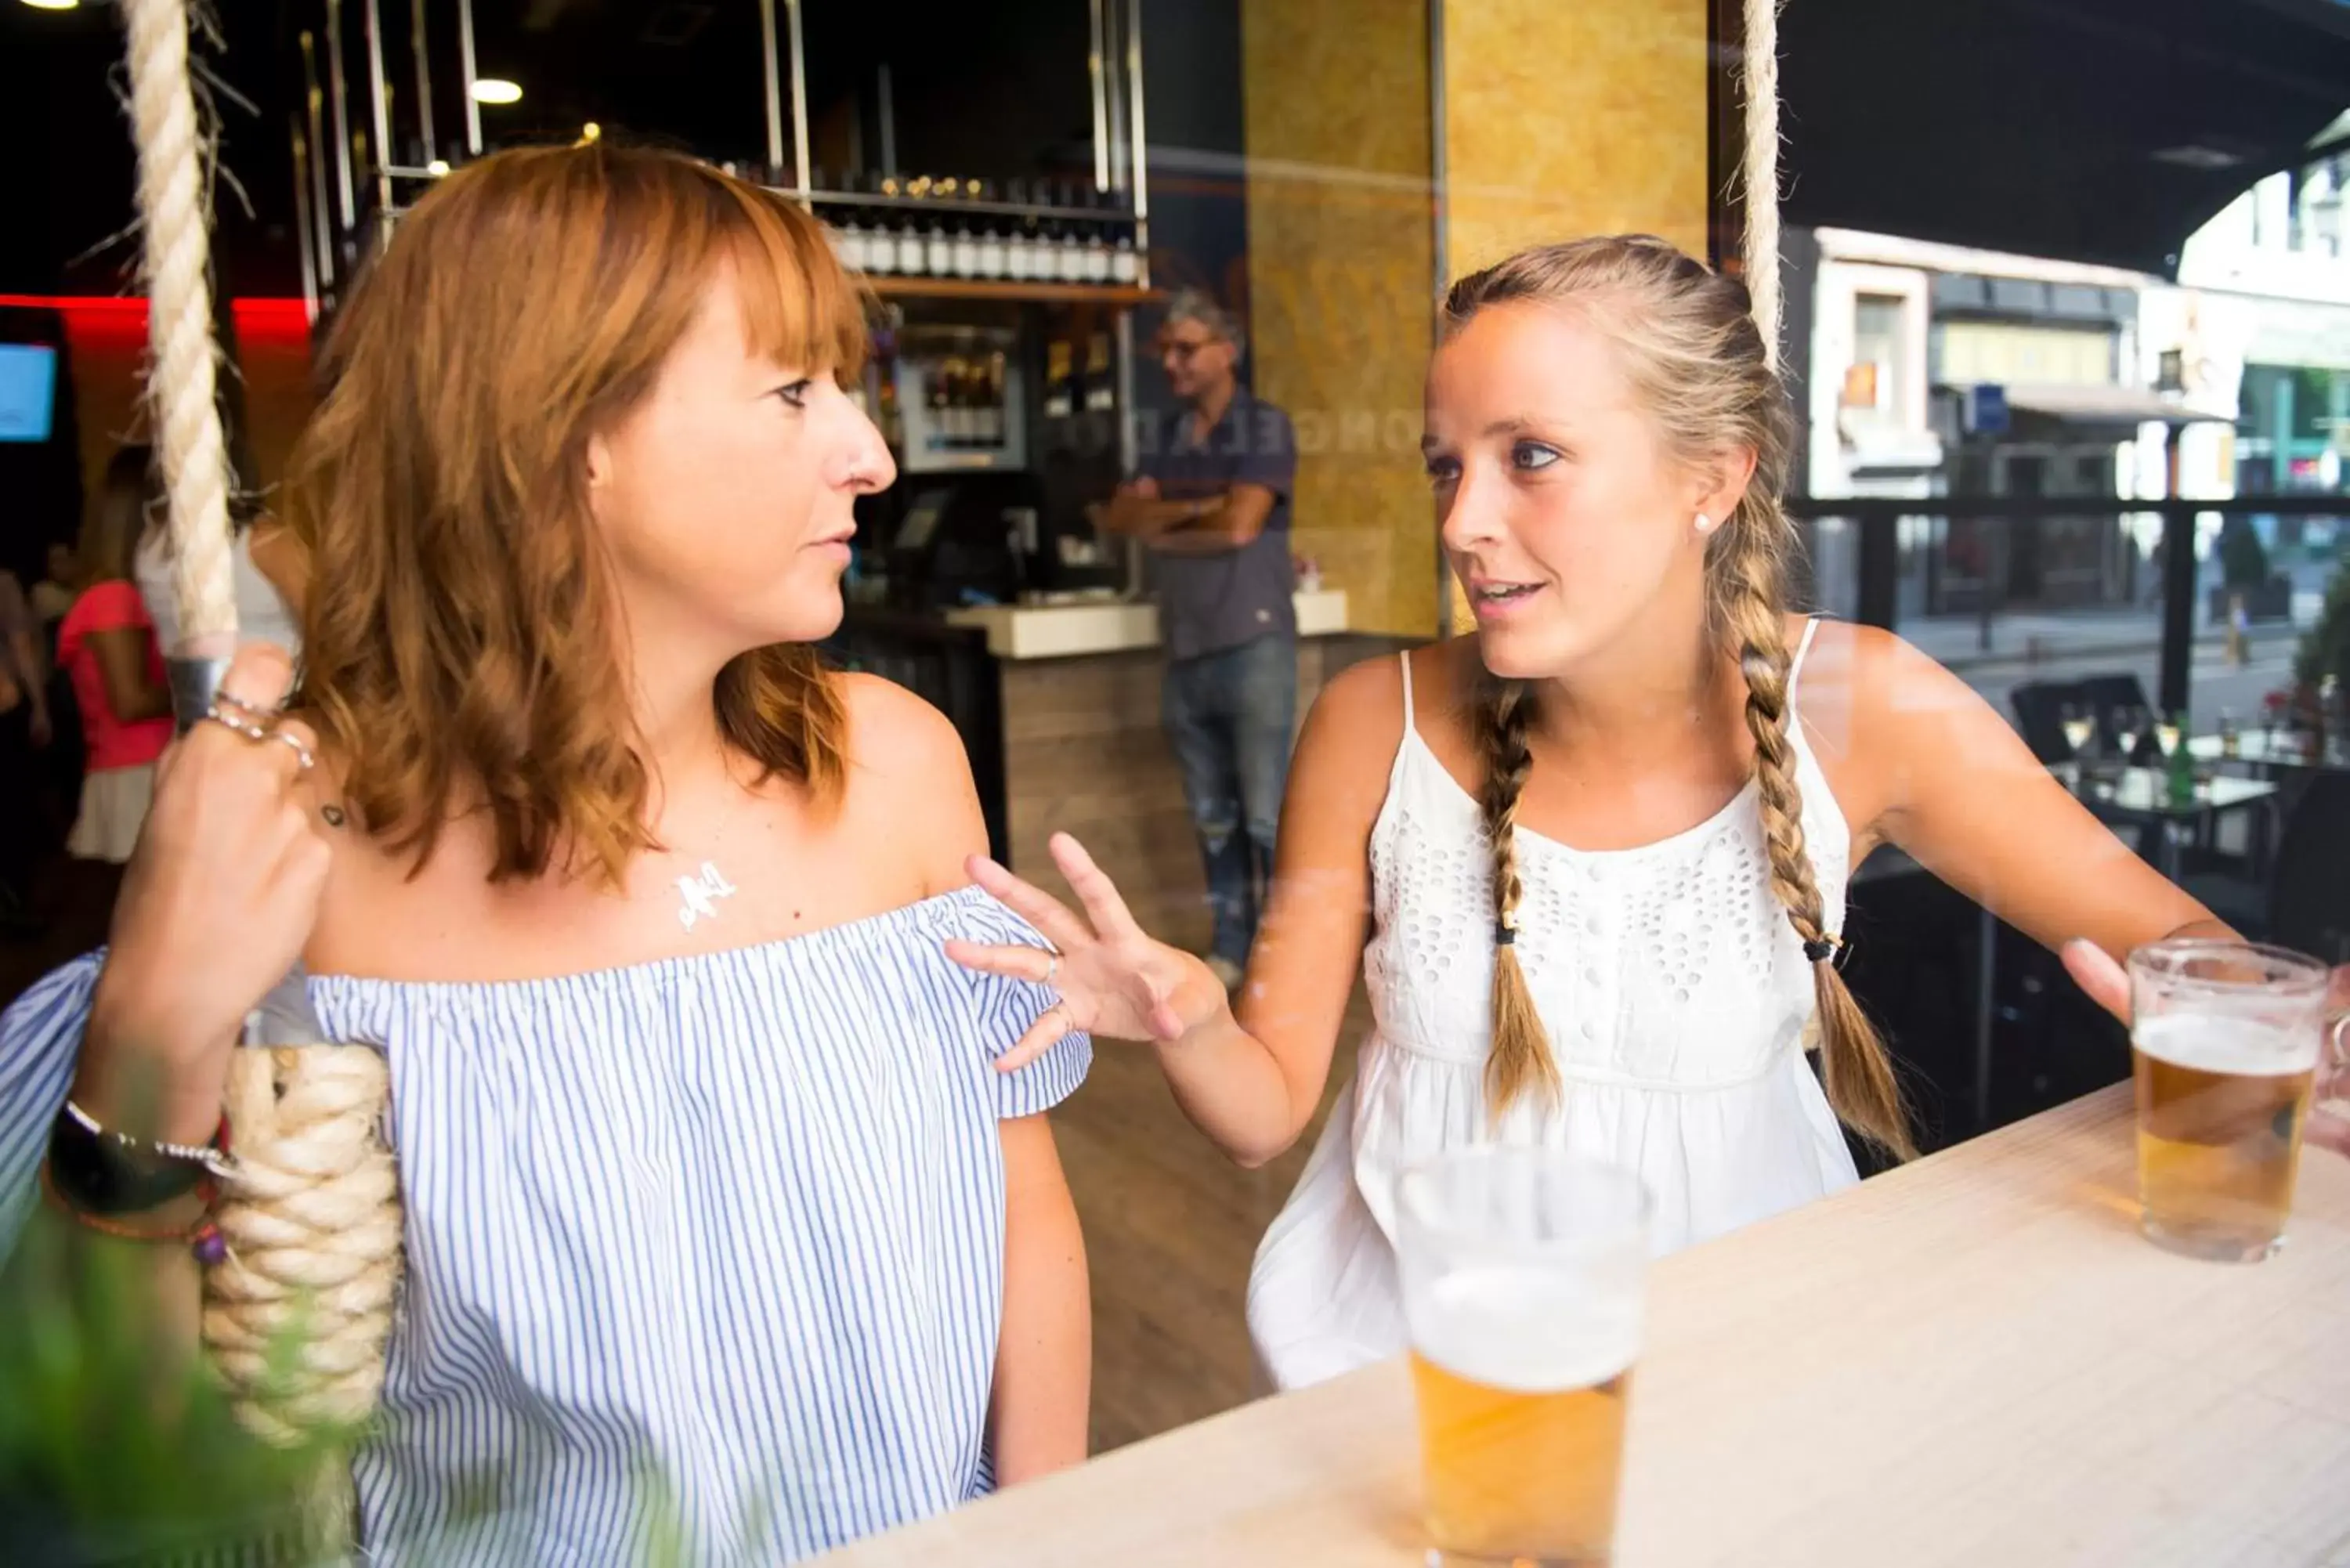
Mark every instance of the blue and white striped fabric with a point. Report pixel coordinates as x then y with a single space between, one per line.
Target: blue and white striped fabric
716 1240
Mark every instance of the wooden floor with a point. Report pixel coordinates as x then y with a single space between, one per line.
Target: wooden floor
1171 1227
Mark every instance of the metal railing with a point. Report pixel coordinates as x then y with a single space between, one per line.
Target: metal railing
1879 521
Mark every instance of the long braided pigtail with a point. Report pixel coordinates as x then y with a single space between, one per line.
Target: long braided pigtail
1518 1063
1854 1067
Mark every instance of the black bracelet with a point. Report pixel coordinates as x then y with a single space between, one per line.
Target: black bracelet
101 1172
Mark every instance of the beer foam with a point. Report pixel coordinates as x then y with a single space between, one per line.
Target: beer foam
2244 1047
1529 1331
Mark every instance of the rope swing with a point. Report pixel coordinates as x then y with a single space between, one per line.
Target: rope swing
310 1208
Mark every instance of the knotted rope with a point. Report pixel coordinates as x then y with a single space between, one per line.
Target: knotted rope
311 1210
178 246
312 1223
1760 250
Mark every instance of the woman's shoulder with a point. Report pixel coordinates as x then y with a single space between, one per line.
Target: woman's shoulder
1363 705
909 780
894 735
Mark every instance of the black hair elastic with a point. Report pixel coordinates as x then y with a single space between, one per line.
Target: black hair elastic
1504 936
1823 949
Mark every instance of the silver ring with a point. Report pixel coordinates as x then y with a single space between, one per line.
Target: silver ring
257 712
253 731
300 751
243 726
1051 970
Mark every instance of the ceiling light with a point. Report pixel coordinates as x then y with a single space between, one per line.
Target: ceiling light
437 168
2198 157
53 5
496 89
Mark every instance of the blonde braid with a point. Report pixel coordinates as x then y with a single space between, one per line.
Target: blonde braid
1519 1061
1855 1068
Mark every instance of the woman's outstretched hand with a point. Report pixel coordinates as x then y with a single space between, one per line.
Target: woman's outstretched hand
1111 977
2096 972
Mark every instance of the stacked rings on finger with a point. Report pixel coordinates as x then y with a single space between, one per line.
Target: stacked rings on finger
301 753
235 715
258 713
245 720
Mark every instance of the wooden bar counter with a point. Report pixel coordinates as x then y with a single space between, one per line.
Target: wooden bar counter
1975 1360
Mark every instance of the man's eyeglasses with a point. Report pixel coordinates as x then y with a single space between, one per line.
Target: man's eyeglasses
1183 350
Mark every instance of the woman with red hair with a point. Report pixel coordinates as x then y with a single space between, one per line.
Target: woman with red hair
714 1205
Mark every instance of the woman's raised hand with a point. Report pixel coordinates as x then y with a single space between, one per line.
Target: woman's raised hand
215 908
1111 977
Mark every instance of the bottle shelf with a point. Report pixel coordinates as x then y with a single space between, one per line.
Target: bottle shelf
962 206
899 286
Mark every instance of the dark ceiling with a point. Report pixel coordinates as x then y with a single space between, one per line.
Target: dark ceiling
2096 129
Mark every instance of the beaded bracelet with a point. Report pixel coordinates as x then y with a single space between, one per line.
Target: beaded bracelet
211 1156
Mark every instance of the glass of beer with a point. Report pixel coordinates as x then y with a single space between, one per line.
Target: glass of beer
2224 1043
1523 1274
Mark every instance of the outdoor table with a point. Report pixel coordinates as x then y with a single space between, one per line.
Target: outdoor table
2265 752
2140 797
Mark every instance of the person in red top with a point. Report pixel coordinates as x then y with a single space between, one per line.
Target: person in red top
106 645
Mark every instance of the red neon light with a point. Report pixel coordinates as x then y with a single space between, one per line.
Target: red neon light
101 303
112 318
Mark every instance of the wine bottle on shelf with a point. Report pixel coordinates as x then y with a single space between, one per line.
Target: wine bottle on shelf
966 247
1101 395
873 239
1015 253
995 257
1097 255
1126 267
992 417
1060 398
937 397
891 419
961 407
938 251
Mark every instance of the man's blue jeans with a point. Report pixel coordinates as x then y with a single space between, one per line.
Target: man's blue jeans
1229 716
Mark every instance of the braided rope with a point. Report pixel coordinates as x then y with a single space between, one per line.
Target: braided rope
179 314
1760 252
312 1213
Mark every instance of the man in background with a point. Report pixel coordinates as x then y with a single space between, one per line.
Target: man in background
1211 499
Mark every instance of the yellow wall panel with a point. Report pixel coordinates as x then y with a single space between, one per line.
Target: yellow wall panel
1341 284
1567 118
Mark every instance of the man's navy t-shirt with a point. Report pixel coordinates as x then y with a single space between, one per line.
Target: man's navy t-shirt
1211 603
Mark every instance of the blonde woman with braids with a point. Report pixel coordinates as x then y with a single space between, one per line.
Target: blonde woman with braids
714 1214
1602 846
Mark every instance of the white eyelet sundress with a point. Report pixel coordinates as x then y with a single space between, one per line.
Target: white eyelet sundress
1675 995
